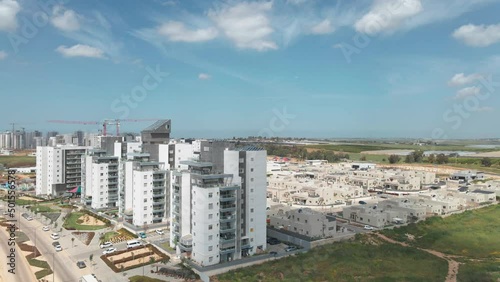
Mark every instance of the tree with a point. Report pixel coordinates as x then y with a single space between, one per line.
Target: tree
363 158
418 156
394 159
410 158
486 162
431 159
441 159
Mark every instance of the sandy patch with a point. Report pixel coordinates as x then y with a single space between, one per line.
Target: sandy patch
30 199
495 154
138 261
90 220
129 254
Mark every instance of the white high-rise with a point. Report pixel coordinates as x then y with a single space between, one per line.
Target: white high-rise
58 168
218 217
100 180
144 192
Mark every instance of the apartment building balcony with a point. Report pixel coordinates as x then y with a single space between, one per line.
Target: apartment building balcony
112 199
73 181
111 182
114 174
227 217
227 198
158 202
176 210
227 229
229 188
158 187
226 208
74 175
158 210
73 162
112 169
227 250
158 195
73 171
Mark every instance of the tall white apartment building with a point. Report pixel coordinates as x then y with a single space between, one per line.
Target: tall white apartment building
249 167
100 179
58 168
218 217
145 194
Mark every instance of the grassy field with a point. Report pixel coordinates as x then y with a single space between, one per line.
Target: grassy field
358 148
71 223
17 161
479 271
473 234
42 208
348 261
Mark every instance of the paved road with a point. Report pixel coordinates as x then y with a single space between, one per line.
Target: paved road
23 272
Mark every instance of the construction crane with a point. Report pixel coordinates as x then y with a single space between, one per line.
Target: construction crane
104 123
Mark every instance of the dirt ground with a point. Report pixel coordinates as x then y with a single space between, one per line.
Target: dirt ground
138 261
90 220
495 154
30 199
129 254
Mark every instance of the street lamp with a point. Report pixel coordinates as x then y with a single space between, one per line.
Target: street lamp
53 266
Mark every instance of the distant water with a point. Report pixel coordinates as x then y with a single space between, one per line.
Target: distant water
460 153
483 146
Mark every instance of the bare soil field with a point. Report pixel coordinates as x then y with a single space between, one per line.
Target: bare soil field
495 154
90 220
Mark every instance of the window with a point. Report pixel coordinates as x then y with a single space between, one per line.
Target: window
210 216
251 219
145 177
210 238
145 200
210 195
210 206
145 185
251 179
145 192
251 170
210 259
251 210
145 208
210 248
145 215
210 227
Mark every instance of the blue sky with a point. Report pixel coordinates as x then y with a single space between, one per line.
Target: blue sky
383 68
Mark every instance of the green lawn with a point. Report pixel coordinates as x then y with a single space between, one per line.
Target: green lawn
38 263
474 234
348 261
42 273
109 235
42 208
17 161
71 222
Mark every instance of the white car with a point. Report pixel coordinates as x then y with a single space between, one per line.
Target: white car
54 236
109 251
106 245
58 248
45 228
368 227
159 232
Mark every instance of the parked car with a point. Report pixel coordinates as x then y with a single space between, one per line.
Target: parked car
45 228
362 202
109 251
57 246
159 232
272 241
273 253
290 249
142 235
54 236
81 264
106 245
368 227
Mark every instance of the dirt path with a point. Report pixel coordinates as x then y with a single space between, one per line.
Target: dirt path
452 264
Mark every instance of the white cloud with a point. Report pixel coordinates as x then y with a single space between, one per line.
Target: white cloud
478 35
177 31
65 20
296 2
468 91
324 27
80 50
8 12
246 24
3 55
204 76
460 79
387 16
